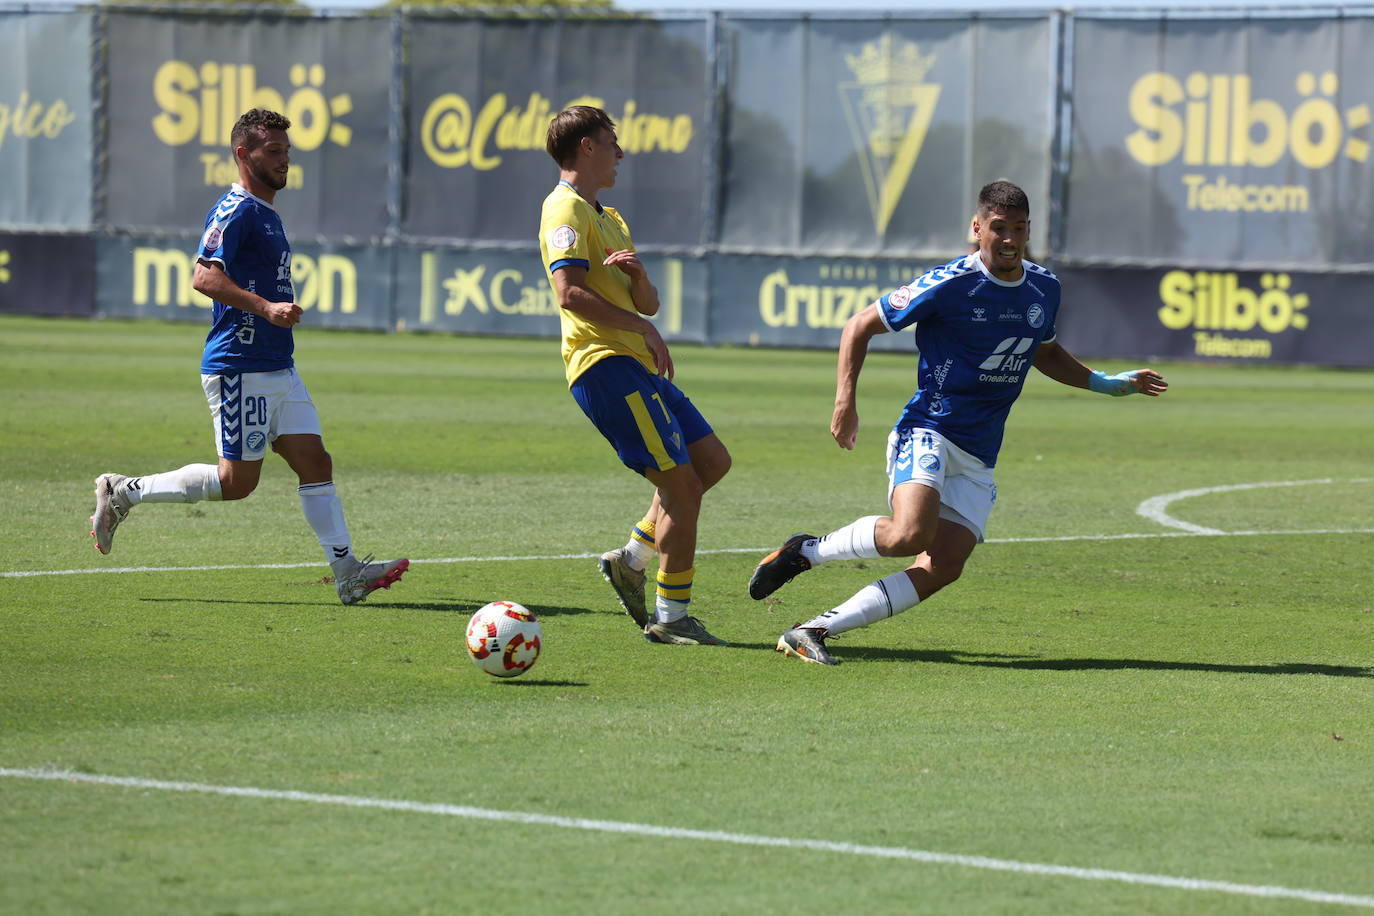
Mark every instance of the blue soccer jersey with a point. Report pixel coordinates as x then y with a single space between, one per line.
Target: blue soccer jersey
977 336
244 235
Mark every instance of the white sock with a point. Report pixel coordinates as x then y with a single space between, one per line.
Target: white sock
855 541
190 484
876 601
324 512
637 554
666 610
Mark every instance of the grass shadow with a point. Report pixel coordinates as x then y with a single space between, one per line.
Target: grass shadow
1034 663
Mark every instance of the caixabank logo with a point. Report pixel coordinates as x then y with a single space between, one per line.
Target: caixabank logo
199 104
1213 126
889 107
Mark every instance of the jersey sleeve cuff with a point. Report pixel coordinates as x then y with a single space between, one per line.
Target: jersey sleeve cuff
569 262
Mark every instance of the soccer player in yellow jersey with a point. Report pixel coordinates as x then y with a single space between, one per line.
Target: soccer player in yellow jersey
621 375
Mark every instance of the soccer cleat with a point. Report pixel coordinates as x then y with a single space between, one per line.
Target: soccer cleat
807 644
687 631
628 583
367 577
779 567
111 508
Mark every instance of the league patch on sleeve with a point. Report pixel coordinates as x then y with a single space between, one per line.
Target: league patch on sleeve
899 297
563 238
212 238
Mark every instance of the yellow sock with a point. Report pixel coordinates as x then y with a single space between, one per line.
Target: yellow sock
674 594
642 546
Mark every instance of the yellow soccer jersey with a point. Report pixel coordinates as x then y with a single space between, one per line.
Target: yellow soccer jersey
572 232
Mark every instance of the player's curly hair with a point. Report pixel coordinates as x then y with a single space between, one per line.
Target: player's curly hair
252 126
1002 195
569 126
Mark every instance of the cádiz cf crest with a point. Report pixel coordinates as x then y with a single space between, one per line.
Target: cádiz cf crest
889 107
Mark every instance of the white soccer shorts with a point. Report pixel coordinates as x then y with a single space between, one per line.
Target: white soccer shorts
965 484
251 409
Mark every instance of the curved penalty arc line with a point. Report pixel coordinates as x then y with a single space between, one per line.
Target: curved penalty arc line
1156 507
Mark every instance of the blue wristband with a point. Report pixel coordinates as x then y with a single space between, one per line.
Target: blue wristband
1117 385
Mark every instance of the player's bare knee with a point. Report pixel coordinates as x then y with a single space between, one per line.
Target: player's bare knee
233 489
904 543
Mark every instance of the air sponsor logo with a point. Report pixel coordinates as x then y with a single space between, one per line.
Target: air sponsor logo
1008 358
162 278
455 133
1213 120
200 104
28 118
889 107
1214 304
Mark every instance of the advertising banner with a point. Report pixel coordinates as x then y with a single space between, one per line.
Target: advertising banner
45 119
178 83
47 274
337 286
1242 142
801 302
507 293
483 91
1218 315
874 135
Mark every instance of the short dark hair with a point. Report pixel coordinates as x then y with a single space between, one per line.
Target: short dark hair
569 126
252 126
1002 195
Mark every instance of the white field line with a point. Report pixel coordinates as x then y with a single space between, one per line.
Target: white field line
709 836
104 570
1155 507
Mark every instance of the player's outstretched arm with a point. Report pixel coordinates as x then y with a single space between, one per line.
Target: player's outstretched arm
858 331
1062 366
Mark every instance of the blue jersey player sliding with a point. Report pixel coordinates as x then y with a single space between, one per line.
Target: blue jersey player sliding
981 322
257 400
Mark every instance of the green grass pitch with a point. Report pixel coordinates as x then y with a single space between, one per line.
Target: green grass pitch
1199 707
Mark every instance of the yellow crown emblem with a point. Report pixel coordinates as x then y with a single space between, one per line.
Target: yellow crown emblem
884 62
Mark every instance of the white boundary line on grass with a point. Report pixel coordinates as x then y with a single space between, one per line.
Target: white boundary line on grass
1154 507
709 836
30 573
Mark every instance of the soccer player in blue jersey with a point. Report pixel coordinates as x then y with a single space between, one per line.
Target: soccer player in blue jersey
982 321
257 399
621 374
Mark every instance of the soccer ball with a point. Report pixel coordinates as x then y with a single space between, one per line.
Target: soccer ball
503 639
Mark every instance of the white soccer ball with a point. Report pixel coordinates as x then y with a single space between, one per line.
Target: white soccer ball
504 638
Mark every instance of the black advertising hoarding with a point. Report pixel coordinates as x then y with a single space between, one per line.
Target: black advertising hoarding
177 84
507 293
337 286
1218 315
45 119
1221 141
760 300
482 93
47 274
874 135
